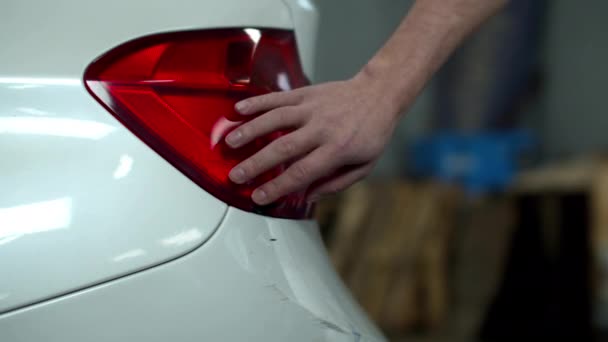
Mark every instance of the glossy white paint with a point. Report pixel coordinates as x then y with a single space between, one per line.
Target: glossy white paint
256 279
305 17
103 240
83 200
69 34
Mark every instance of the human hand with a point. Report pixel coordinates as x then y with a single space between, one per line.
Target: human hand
339 131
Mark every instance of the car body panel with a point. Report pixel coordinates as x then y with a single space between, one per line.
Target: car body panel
60 38
305 19
266 280
101 238
77 186
83 200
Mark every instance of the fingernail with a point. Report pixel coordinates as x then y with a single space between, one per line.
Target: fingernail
241 107
237 175
233 138
259 196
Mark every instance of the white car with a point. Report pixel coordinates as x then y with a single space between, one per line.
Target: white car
117 218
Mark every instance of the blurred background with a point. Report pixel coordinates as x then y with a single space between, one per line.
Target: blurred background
487 217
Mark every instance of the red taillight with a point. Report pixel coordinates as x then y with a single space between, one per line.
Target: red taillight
177 92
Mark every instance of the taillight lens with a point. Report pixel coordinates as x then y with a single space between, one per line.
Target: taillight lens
177 92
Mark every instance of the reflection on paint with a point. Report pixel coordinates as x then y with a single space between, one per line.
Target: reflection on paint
129 255
32 111
125 164
306 4
61 127
39 81
21 220
237 245
24 86
182 238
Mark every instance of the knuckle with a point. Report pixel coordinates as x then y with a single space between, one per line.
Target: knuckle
339 153
271 98
299 173
346 155
288 94
265 100
350 151
256 102
324 133
344 141
332 191
299 95
297 98
341 187
283 116
286 147
261 124
363 174
299 115
251 165
251 103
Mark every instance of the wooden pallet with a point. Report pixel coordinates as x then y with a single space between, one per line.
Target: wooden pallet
389 242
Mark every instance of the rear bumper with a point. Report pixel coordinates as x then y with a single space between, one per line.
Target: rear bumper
256 279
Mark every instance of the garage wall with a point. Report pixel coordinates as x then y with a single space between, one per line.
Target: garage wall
574 106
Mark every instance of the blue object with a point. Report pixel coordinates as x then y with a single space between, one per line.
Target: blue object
481 162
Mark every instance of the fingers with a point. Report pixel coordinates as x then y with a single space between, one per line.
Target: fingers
339 183
272 121
267 102
277 152
298 176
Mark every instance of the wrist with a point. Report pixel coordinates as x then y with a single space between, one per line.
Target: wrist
390 86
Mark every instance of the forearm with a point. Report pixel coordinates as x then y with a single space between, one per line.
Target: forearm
339 129
421 44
